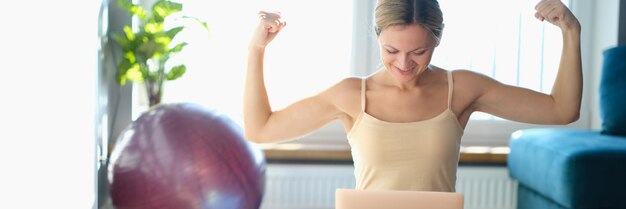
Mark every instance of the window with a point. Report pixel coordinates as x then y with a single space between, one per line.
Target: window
327 40
312 48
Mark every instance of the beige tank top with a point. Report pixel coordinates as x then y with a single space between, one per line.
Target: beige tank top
415 156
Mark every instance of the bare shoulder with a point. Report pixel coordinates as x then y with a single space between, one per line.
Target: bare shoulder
351 82
345 91
459 75
470 80
345 95
468 75
346 85
469 86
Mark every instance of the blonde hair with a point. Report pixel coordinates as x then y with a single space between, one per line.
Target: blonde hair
405 12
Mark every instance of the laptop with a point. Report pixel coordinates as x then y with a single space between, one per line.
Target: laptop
366 199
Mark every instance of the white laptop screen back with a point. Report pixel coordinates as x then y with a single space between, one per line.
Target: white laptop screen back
366 199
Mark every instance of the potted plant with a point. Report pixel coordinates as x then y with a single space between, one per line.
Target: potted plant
148 47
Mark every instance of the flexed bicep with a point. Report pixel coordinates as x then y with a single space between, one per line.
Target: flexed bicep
515 103
562 105
301 117
298 119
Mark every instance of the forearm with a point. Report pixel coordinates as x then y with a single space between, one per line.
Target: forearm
567 89
257 109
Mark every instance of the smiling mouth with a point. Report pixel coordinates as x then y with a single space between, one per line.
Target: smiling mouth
404 71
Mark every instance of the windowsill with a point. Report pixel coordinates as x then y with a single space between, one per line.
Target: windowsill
338 153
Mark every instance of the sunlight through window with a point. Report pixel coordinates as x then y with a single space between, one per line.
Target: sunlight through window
309 55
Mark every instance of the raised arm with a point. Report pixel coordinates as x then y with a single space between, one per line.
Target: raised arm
261 124
562 106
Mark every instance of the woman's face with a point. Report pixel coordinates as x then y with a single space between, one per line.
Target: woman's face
406 50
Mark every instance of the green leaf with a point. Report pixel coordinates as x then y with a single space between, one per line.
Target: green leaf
158 55
122 40
139 11
122 80
124 4
130 56
122 68
202 23
176 72
151 42
134 73
171 33
132 8
148 49
178 47
163 8
165 41
129 33
153 27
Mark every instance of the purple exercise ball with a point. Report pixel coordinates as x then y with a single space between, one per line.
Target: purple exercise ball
185 156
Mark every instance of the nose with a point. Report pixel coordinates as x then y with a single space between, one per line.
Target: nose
405 62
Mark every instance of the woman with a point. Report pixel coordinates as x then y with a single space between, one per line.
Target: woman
405 122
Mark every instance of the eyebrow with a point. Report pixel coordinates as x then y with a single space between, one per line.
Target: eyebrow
387 46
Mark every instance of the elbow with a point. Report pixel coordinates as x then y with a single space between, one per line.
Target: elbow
252 136
569 118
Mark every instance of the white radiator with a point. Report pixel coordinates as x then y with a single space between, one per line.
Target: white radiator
313 186
486 187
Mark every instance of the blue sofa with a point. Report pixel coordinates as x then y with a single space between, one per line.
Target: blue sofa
560 168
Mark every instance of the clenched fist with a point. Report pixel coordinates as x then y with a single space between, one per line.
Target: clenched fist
270 23
555 12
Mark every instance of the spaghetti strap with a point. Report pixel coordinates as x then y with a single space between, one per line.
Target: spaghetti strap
363 94
450 88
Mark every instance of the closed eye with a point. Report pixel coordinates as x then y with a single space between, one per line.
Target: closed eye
419 52
391 52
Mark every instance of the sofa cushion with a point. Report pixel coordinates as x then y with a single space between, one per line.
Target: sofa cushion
613 91
529 199
575 168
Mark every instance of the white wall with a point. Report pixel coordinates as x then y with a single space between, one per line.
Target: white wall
599 20
48 93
